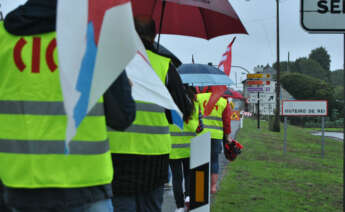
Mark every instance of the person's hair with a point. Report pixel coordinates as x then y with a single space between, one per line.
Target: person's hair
146 29
190 93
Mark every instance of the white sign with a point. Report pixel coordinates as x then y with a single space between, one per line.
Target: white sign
267 97
323 15
253 98
267 109
304 108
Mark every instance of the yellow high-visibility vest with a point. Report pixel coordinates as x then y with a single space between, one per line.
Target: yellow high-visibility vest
213 123
180 139
33 122
149 133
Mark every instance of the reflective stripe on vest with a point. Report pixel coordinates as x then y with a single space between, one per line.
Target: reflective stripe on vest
149 133
33 122
212 123
213 118
42 108
178 146
183 134
181 139
53 147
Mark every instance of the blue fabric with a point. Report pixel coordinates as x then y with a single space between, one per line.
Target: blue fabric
85 76
177 119
216 148
203 75
100 206
144 202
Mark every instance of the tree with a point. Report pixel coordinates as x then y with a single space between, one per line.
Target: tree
311 68
337 77
339 93
321 56
286 67
304 87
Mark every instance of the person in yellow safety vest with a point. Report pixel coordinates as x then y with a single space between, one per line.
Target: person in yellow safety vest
218 123
36 173
180 152
141 153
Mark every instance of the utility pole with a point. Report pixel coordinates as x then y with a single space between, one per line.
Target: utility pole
276 125
1 15
288 68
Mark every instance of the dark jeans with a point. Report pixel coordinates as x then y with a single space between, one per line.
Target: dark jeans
145 202
180 170
3 208
216 148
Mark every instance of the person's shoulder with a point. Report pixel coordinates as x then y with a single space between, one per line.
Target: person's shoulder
158 56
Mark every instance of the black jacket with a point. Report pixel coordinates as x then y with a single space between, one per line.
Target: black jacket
36 17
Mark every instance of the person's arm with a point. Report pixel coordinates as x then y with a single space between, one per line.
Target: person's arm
176 90
119 106
226 117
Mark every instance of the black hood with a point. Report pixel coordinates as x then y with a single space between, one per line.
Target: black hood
34 17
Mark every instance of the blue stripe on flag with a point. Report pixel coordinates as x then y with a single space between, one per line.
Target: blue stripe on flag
85 76
176 119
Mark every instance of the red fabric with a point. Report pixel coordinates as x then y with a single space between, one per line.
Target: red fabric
197 89
226 117
233 94
97 9
225 64
181 19
217 92
232 150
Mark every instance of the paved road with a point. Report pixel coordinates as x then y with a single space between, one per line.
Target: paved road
169 201
338 135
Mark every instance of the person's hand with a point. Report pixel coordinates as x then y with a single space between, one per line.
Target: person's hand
229 138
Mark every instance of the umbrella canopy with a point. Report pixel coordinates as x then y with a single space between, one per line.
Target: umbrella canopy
203 75
233 94
167 53
203 18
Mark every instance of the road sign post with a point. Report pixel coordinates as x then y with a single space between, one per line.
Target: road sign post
326 16
258 111
305 108
285 134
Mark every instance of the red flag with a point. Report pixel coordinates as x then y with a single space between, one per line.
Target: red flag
97 10
197 89
217 92
225 63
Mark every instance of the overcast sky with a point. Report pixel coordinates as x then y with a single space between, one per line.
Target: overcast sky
257 48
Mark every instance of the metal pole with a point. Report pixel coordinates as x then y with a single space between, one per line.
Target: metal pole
276 126
1 16
322 136
287 68
258 111
285 134
344 122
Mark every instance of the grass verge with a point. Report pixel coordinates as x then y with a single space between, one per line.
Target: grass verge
264 179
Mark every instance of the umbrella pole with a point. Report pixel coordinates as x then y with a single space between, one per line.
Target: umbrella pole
160 24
